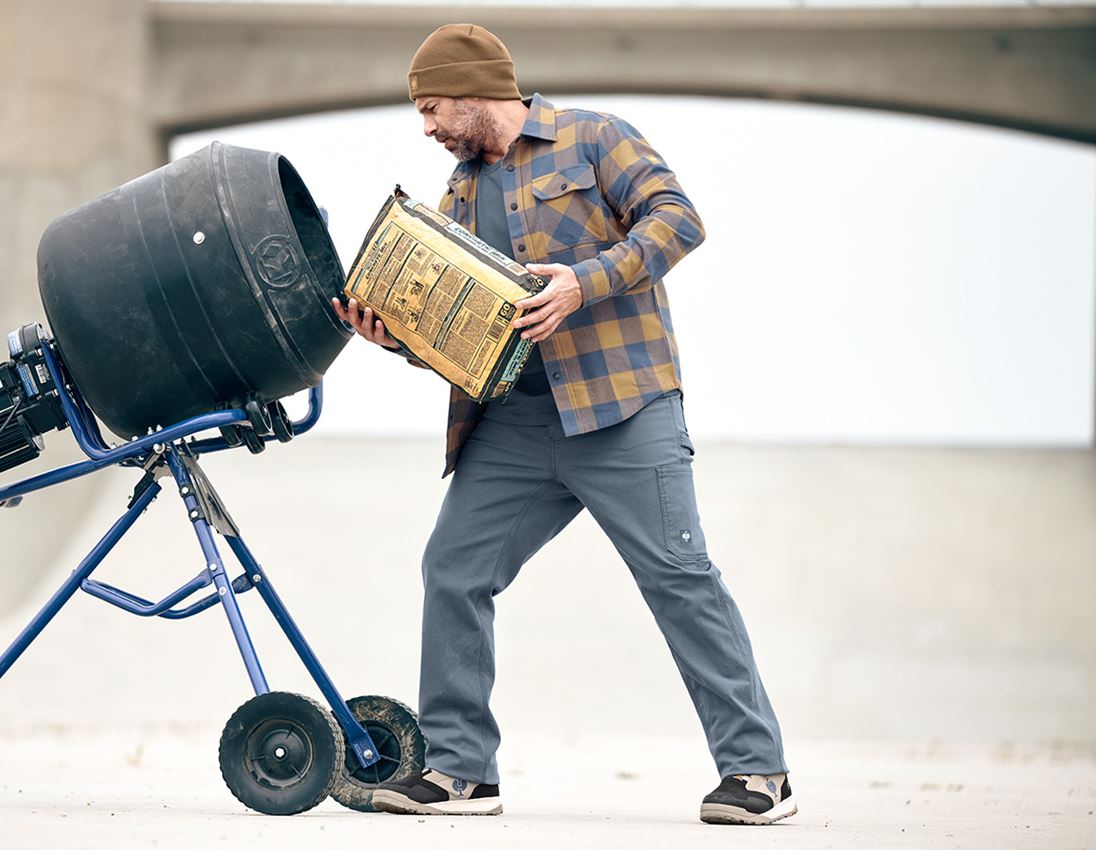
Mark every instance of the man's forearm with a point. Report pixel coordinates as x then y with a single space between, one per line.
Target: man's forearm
654 245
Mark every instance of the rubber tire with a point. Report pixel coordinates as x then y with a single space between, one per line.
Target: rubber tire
375 712
232 435
254 442
280 423
258 416
314 729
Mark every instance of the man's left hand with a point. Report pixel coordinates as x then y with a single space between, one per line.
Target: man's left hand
558 300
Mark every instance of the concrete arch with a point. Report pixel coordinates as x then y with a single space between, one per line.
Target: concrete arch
1031 69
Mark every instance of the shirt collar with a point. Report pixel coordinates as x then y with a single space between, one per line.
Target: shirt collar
541 122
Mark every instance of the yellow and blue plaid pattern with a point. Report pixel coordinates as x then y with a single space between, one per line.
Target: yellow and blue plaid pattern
586 189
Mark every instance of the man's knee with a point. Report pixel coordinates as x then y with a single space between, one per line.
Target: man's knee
434 558
455 566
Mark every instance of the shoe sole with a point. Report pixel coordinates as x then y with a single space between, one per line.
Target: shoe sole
718 813
397 804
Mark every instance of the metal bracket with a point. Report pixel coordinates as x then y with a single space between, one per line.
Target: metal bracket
155 467
210 507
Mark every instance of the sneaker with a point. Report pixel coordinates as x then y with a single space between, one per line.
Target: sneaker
749 799
431 792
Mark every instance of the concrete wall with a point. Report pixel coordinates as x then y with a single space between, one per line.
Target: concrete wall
890 593
75 124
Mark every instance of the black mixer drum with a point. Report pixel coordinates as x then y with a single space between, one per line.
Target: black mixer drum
193 287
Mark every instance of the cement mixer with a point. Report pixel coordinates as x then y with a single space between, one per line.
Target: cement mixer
183 307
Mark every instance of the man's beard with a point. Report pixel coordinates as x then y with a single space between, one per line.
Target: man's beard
474 129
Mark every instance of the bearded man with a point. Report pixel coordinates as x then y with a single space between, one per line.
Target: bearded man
595 422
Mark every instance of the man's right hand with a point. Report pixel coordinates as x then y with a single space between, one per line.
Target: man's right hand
362 321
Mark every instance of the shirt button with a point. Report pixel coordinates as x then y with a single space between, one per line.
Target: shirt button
509 168
555 376
462 199
521 247
564 186
513 206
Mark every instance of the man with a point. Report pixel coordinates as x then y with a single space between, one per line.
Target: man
595 421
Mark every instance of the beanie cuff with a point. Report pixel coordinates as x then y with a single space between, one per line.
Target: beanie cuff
490 78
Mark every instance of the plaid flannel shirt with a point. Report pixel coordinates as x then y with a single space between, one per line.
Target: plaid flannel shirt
587 190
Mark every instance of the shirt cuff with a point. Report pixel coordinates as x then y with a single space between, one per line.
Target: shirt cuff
593 280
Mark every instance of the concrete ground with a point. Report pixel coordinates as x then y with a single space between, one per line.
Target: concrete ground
920 619
89 787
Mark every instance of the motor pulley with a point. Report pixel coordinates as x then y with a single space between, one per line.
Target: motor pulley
30 404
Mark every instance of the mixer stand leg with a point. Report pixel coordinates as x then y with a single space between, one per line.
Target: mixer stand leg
206 511
141 500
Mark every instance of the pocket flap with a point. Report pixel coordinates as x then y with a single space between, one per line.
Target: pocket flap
566 180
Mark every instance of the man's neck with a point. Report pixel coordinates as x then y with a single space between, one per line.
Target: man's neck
511 116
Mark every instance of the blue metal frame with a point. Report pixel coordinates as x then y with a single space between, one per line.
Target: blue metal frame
360 742
152 451
73 582
88 437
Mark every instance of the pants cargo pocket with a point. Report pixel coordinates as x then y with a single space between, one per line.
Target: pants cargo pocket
680 520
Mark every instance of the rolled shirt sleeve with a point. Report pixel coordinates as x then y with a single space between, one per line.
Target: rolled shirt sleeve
663 226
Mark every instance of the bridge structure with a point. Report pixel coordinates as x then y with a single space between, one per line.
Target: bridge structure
1030 68
94 90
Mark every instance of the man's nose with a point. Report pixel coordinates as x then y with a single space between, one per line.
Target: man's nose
429 126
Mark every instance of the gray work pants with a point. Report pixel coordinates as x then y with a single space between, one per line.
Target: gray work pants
515 488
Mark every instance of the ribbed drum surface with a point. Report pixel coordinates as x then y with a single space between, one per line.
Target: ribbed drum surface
191 287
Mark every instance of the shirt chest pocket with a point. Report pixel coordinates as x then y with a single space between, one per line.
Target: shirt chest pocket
568 210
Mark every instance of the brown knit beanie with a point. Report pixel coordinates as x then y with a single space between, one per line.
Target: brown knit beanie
462 60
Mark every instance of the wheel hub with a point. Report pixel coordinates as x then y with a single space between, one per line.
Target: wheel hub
279 754
388 748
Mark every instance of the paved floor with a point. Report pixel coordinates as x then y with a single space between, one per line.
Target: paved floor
82 788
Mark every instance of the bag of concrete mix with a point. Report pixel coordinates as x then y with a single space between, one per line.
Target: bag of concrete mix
445 296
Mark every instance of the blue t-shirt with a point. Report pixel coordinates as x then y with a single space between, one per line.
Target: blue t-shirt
530 401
